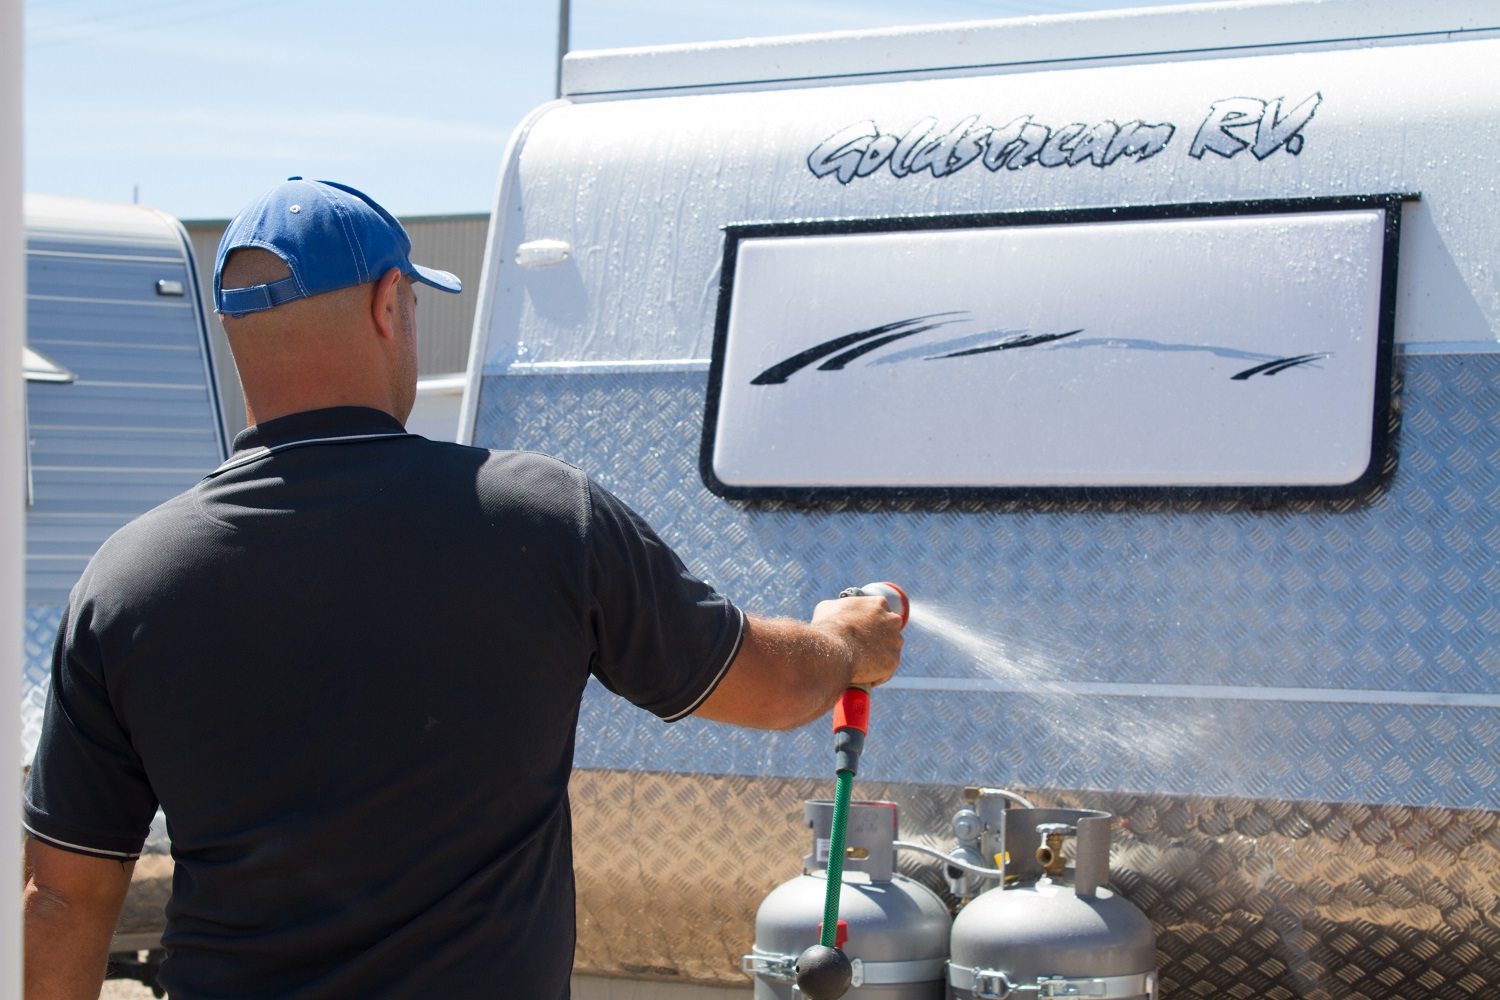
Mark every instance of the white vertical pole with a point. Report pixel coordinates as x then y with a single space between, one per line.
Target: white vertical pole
12 492
563 19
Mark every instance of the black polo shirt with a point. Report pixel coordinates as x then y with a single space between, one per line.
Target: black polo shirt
348 666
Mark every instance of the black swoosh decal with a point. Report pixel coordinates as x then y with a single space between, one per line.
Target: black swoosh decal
837 364
783 370
1041 338
1279 365
1297 361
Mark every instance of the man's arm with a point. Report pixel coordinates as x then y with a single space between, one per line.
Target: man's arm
71 904
789 672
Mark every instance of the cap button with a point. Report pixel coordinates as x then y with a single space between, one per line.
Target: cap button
297 178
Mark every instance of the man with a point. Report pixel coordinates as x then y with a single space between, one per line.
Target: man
348 665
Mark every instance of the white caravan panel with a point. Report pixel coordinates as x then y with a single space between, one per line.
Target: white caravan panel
639 187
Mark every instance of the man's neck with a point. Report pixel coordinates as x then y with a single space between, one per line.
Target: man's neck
262 410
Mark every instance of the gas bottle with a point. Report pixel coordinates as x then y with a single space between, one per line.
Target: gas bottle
1052 928
895 930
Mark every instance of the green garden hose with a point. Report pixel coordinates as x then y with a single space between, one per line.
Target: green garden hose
836 838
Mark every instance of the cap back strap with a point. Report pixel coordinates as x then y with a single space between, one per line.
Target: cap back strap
237 302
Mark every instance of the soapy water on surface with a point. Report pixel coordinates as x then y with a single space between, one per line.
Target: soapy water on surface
1090 723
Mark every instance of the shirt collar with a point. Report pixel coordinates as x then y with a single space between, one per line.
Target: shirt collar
335 425
334 422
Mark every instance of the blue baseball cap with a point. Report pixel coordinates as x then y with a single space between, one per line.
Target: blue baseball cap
330 235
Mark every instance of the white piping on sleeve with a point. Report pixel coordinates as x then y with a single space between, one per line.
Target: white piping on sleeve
65 845
728 662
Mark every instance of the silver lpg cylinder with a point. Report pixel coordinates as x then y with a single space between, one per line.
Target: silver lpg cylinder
1053 929
897 929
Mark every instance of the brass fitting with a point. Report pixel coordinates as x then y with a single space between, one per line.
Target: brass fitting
1050 854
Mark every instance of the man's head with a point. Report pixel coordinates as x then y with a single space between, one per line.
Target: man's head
329 235
313 284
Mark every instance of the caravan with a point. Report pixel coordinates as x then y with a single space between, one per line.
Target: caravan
1154 352
122 413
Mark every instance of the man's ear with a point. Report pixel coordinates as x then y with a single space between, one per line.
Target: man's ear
385 307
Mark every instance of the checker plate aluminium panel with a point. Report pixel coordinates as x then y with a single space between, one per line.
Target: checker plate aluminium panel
1250 898
1337 651
1325 667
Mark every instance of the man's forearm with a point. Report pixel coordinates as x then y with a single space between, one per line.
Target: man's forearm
62 960
68 932
806 667
789 672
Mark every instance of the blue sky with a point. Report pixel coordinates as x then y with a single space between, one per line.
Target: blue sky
204 103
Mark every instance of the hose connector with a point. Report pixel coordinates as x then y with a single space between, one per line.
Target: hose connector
851 721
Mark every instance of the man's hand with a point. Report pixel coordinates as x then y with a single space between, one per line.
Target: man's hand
871 631
789 672
71 904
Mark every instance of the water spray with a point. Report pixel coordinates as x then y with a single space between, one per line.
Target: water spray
823 971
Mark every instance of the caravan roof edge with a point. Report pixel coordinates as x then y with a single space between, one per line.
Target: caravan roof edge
1153 32
85 219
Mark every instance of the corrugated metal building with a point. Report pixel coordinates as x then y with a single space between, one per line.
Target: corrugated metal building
452 242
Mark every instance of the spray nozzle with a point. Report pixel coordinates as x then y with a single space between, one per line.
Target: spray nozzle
895 597
851 716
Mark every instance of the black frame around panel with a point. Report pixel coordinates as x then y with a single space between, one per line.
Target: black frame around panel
1260 495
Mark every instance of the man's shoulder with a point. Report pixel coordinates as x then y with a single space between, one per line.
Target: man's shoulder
163 535
164 524
522 479
530 469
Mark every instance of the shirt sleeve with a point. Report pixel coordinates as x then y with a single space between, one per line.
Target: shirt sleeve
662 637
86 791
